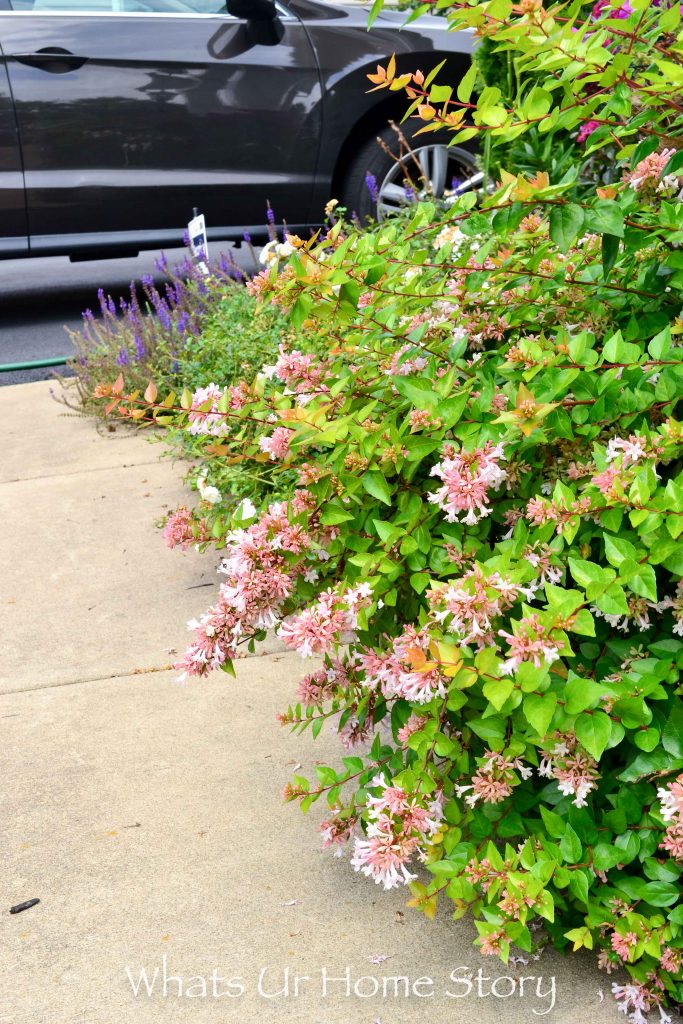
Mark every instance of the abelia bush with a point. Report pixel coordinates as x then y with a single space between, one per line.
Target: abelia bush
479 545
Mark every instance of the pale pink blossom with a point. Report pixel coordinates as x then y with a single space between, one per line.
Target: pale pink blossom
493 781
671 799
180 529
530 643
468 606
413 725
608 480
491 944
631 449
648 172
623 944
336 831
398 826
670 960
204 417
316 629
403 670
277 444
635 1000
673 840
575 771
467 479
259 580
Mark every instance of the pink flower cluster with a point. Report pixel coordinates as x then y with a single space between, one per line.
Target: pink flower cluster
420 419
317 629
277 444
604 7
540 511
179 530
675 603
400 367
636 1000
467 478
586 129
336 831
259 579
540 556
623 944
467 606
399 826
404 670
631 449
576 771
647 174
671 807
530 643
303 373
493 781
610 482
491 944
315 689
413 725
204 416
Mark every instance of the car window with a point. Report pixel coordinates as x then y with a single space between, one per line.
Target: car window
121 6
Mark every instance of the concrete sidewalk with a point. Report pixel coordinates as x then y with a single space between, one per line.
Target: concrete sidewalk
147 817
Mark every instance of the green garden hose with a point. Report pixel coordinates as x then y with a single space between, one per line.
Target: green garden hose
35 364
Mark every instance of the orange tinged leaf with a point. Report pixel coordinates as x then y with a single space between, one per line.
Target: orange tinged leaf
151 393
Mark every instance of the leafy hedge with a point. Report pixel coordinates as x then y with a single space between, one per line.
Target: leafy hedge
481 544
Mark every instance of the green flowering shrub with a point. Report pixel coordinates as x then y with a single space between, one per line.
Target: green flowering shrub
481 541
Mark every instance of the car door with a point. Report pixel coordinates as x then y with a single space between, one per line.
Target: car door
132 112
13 230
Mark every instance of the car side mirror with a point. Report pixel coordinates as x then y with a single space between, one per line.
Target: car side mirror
252 10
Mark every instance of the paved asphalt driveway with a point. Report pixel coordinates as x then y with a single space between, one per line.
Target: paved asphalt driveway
38 297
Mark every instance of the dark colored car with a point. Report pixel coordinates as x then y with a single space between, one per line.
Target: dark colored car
117 117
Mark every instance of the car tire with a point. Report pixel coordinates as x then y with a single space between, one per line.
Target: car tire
378 184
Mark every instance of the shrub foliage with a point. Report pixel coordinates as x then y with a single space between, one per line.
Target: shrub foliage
481 541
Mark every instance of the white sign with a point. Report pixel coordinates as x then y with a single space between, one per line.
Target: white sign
199 246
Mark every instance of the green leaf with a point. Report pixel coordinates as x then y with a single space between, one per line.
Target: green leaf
578 886
588 573
593 732
539 710
581 694
610 253
640 579
418 391
419 581
375 484
606 857
467 83
672 736
661 894
583 623
497 691
613 601
387 532
656 760
570 846
565 223
618 550
554 823
605 218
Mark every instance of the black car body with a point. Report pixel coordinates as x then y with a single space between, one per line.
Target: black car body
117 117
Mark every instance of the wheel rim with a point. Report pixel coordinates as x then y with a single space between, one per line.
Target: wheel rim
450 172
